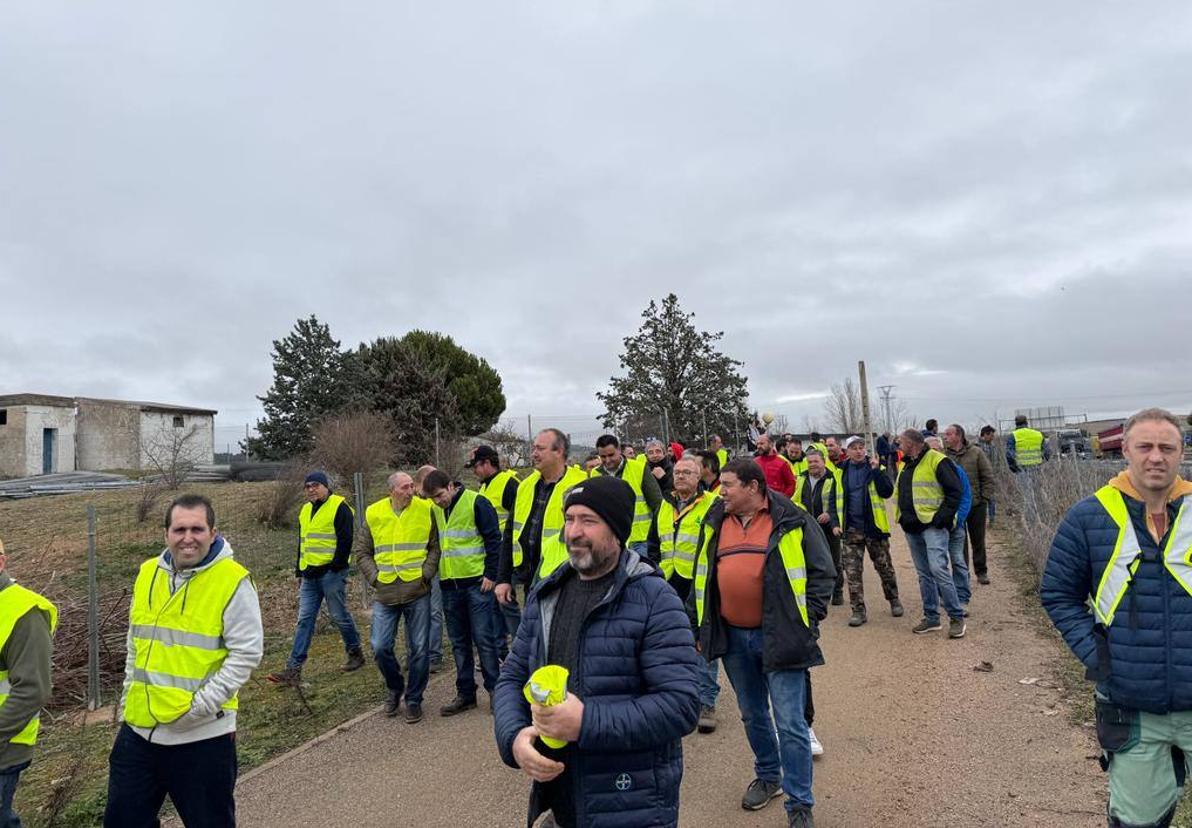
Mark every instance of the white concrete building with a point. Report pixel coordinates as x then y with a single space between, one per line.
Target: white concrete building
42 434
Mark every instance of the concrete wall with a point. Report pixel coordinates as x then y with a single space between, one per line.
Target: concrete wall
108 436
37 418
159 433
12 443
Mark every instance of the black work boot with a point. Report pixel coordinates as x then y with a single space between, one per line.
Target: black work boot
896 608
838 599
457 705
355 660
392 703
859 617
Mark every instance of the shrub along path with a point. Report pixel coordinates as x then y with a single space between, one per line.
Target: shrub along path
914 737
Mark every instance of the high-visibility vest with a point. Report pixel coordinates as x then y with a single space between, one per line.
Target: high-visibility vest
1127 553
459 539
400 541
797 466
494 491
633 472
832 495
722 456
877 504
178 639
679 535
15 603
926 492
552 547
790 547
317 534
1028 446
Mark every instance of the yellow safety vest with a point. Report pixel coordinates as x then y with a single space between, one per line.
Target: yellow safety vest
317 534
399 541
15 603
178 639
1127 553
553 549
679 534
926 492
876 503
790 547
722 456
494 492
460 541
797 466
632 473
832 494
1028 446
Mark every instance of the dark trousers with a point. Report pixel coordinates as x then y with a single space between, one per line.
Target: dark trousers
8 788
199 777
473 618
976 533
834 547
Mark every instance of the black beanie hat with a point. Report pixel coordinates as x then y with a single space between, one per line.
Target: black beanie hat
609 497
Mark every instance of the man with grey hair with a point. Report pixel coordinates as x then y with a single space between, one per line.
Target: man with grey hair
397 551
1125 551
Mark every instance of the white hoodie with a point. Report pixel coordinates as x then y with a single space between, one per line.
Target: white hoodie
244 639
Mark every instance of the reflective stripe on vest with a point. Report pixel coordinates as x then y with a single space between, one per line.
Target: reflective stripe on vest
177 639
926 492
679 535
632 472
15 603
494 493
831 493
1127 554
316 535
552 520
399 541
462 547
1028 446
790 547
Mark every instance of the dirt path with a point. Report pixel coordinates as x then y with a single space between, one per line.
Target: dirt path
913 737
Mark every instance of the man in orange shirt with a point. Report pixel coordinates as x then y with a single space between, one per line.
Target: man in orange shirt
764 550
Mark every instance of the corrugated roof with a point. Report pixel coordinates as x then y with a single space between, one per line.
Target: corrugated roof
70 402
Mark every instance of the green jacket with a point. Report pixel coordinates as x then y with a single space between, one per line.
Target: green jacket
26 657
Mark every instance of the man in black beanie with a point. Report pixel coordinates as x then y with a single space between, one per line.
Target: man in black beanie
633 693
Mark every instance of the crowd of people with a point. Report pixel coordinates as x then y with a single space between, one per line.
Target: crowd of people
637 577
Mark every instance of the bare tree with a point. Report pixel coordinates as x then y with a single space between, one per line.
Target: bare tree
172 453
362 441
512 446
842 408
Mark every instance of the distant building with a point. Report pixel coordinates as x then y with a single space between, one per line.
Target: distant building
43 434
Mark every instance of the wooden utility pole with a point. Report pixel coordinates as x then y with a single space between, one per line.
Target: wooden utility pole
865 408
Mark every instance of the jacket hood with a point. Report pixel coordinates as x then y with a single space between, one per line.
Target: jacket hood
1121 481
219 550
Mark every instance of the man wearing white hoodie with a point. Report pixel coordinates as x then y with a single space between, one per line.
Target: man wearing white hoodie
194 638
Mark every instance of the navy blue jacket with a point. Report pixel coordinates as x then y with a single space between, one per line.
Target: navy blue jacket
881 482
1144 660
638 678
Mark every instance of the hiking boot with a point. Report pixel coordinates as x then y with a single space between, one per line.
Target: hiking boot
458 705
800 818
926 626
355 660
896 608
413 713
289 677
759 793
983 578
436 665
838 599
956 628
707 719
859 618
817 747
392 704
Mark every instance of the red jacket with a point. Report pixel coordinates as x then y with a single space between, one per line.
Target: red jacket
779 476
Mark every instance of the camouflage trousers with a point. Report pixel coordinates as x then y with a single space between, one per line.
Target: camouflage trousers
853 557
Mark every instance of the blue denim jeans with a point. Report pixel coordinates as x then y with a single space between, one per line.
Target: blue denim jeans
787 754
960 570
434 632
311 594
929 551
473 618
382 637
709 682
8 788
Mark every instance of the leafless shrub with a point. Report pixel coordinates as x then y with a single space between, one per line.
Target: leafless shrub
172 453
276 509
150 492
363 441
513 447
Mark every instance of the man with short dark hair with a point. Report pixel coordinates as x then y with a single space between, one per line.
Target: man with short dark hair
434 632
710 471
865 488
325 525
1125 552
816 491
795 456
931 428
645 486
194 612
500 489
985 442
779 476
470 543
762 585
716 445
632 689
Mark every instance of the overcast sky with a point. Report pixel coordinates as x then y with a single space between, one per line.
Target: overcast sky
990 203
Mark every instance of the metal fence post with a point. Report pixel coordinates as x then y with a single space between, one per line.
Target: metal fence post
358 489
92 615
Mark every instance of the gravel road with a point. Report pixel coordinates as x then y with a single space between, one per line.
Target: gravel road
913 737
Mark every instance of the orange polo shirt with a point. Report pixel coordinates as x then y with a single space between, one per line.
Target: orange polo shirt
740 560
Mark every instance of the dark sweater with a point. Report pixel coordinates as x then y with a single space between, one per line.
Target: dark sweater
344 524
26 657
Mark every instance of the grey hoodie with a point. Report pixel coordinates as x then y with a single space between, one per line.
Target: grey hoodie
244 639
